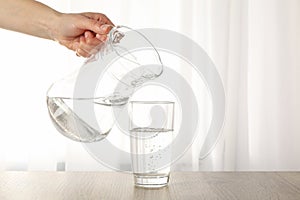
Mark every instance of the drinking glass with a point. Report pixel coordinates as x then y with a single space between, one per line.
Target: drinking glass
151 134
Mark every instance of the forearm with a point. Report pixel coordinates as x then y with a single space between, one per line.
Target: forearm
28 16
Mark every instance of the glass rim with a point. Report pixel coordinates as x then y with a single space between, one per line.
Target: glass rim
151 102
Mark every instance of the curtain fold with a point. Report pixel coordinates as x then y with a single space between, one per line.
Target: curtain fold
260 131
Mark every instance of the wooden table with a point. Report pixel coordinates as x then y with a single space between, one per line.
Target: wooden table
119 186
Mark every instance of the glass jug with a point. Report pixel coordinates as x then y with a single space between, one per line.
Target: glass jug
84 105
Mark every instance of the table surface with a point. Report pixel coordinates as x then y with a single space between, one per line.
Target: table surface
119 186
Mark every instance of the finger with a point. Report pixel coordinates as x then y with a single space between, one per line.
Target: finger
92 25
95 25
102 38
106 20
91 49
91 36
91 40
99 17
81 52
106 28
88 34
90 44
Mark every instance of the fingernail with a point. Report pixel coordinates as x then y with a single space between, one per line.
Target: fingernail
98 36
105 28
101 37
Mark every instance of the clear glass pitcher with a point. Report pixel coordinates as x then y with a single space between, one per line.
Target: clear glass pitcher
84 105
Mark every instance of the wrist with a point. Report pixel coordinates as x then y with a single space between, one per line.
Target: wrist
52 24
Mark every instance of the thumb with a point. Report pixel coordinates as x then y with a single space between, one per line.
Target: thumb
95 26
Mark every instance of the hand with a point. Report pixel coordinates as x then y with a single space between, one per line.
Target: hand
83 33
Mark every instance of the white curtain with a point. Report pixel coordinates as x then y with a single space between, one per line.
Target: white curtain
254 44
